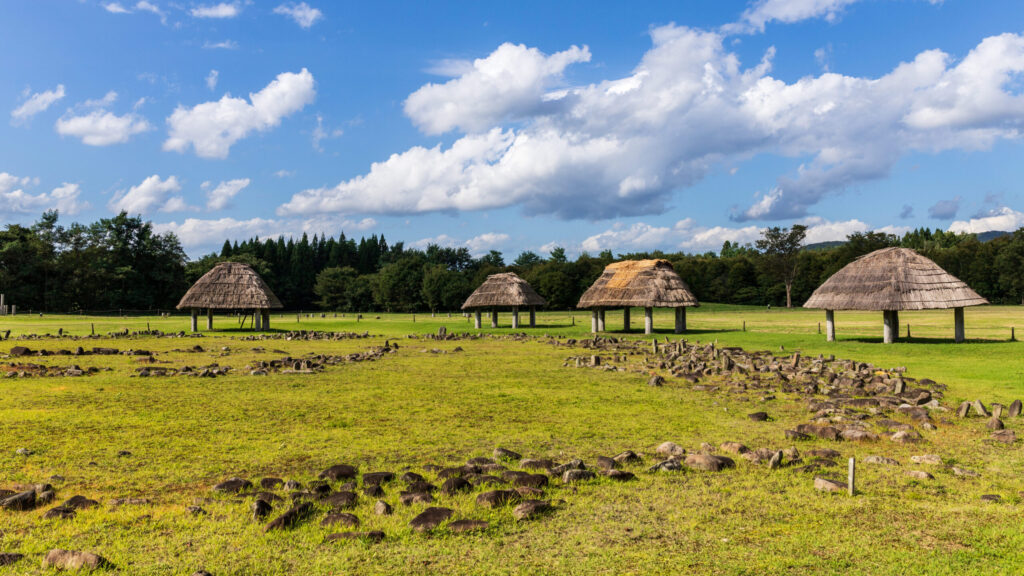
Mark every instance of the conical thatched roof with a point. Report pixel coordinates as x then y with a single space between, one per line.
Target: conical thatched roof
893 279
230 286
647 283
506 289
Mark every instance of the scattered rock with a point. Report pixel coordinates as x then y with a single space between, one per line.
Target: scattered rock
826 485
994 498
920 475
271 483
79 503
994 423
669 465
21 501
341 500
881 460
430 518
794 435
670 449
933 459
758 416
342 518
496 498
338 472
530 509
260 509
709 462
455 485
656 380
505 454
627 457
233 486
620 475
1014 410
59 513
1005 436
964 473
382 508
291 518
410 498
734 448
73 560
571 476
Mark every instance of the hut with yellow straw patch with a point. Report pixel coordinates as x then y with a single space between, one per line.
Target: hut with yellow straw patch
890 280
231 286
647 284
505 290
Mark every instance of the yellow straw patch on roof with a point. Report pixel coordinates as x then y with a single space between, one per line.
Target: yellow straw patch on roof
230 286
645 283
893 279
503 290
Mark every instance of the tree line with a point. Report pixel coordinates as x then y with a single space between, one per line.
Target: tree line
121 263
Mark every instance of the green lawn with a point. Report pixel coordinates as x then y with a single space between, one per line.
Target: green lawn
414 407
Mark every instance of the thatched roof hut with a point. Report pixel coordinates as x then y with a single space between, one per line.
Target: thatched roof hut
890 280
231 286
505 290
644 283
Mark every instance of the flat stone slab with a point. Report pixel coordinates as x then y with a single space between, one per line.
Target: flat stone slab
430 518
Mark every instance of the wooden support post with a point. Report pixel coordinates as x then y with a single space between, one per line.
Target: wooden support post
830 325
1013 335
257 320
209 319
851 479
515 317
195 320
600 320
266 319
648 320
681 321
476 319
593 321
958 321
494 318
891 326
533 316
625 320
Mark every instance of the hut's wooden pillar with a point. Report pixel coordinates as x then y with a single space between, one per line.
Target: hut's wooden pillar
515 317
257 320
600 320
830 326
494 318
958 324
648 320
476 319
195 320
593 321
891 329
266 319
209 319
680 320
625 319
533 316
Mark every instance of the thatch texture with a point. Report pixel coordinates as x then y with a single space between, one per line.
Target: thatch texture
503 290
893 279
646 283
230 286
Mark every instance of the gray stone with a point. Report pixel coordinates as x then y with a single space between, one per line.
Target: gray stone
342 518
709 462
382 508
932 459
994 424
455 485
920 475
73 560
620 475
505 454
571 476
338 472
881 460
496 498
233 486
21 501
1005 436
670 449
430 518
410 498
530 509
826 485
965 473
460 526
292 518
261 509
1014 410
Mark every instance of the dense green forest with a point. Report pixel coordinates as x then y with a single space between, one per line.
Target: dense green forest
120 263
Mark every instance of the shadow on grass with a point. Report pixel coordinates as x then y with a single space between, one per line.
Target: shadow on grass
916 340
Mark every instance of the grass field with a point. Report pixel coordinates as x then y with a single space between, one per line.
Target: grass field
413 407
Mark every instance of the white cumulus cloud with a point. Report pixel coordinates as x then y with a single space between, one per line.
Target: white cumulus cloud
1002 219
303 14
221 10
151 194
219 197
211 80
101 127
15 200
211 128
37 103
630 145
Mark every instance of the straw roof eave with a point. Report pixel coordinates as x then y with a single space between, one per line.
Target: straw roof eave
230 286
893 279
639 283
503 291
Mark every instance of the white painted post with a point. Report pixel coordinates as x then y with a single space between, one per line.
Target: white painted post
476 319
209 319
533 316
648 320
515 317
593 321
600 320
830 326
195 320
494 318
958 321
625 320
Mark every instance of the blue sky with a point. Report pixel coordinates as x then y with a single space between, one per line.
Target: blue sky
515 126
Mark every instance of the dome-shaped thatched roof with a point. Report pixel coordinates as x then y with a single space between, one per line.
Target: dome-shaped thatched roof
503 290
647 283
893 279
230 286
